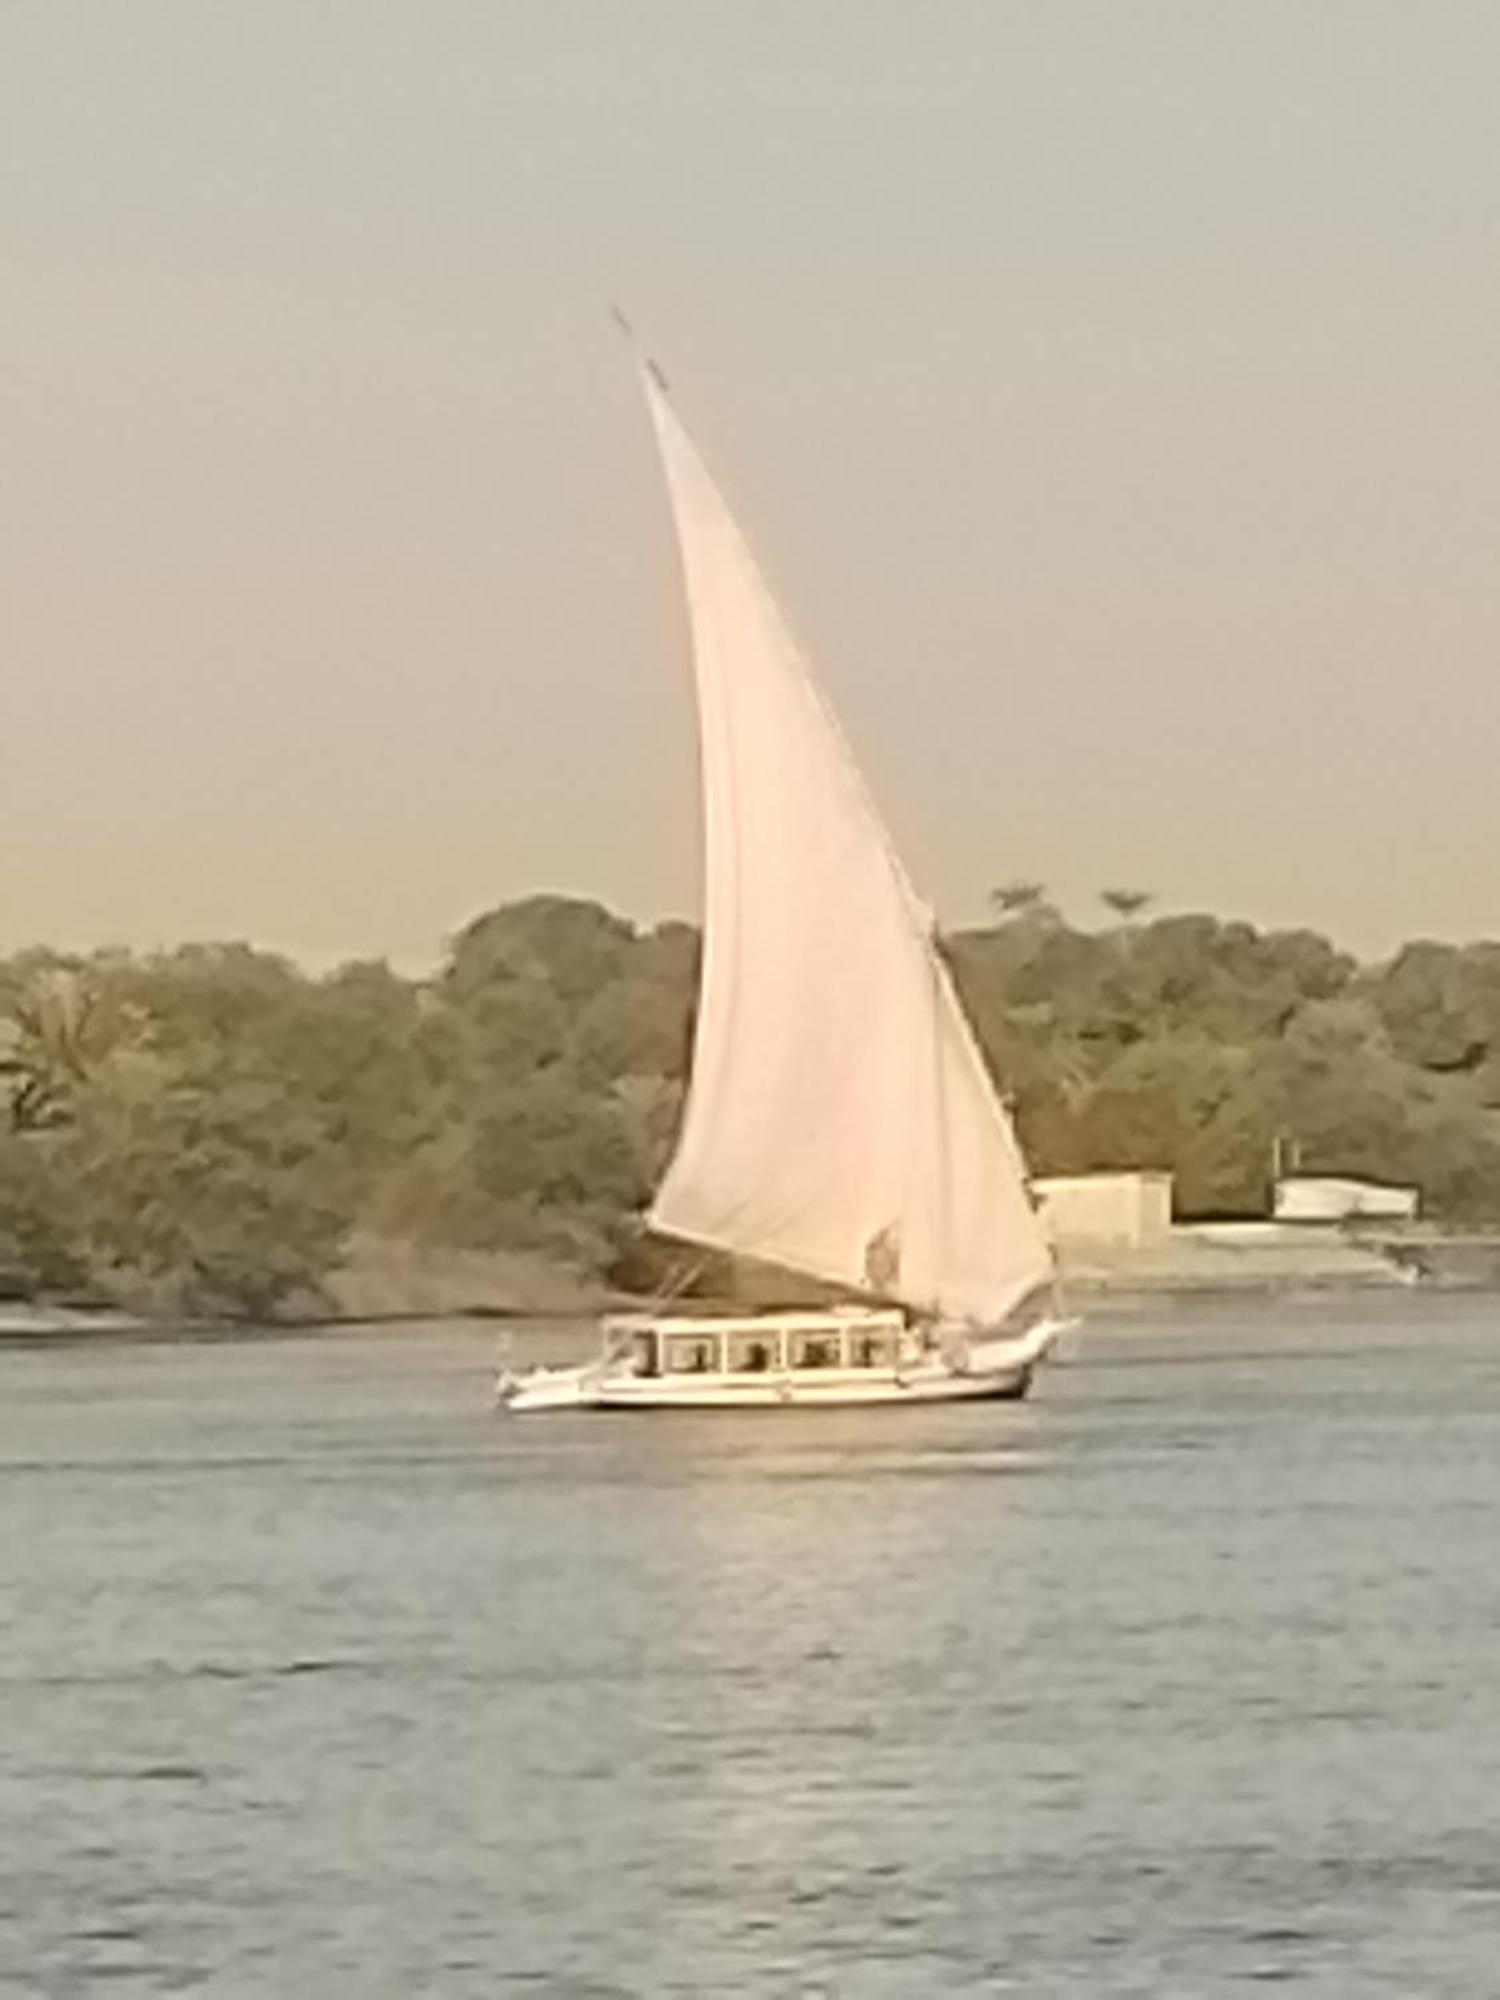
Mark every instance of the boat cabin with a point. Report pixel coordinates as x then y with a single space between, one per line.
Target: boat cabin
768 1344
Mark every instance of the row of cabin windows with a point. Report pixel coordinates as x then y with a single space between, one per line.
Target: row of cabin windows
761 1353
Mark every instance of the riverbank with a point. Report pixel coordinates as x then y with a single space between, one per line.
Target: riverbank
384 1284
1249 1257
1255 1257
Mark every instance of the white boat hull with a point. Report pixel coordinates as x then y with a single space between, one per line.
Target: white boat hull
997 1369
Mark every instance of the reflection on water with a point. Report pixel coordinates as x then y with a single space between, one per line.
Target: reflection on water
317 1677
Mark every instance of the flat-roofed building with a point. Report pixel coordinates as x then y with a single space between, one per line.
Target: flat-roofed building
1128 1211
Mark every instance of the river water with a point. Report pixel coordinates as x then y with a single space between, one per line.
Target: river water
317 1678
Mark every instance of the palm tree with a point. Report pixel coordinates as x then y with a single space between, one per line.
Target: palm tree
1019 899
1127 904
57 1024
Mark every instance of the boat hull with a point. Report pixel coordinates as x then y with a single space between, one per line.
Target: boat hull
938 1388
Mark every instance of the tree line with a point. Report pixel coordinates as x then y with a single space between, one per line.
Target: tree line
202 1130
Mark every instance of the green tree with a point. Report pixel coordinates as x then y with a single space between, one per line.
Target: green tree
198 1198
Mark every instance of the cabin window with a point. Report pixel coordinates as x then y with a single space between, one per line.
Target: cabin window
643 1351
692 1354
815 1350
872 1348
753 1353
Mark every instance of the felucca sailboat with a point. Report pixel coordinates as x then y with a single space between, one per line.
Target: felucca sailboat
840 1122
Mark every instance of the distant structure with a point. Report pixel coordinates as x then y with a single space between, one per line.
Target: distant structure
1116 1230
1124 1211
1331 1198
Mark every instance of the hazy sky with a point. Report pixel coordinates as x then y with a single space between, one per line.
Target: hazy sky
1113 389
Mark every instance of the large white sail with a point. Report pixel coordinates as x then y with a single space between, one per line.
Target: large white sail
840 1121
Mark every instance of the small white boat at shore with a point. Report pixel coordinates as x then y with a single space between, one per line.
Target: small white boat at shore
841 1124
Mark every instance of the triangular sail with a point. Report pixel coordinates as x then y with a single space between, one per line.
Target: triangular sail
840 1121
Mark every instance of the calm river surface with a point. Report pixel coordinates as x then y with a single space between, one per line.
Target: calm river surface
316 1678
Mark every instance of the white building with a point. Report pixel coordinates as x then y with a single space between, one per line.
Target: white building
1127 1211
1331 1198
